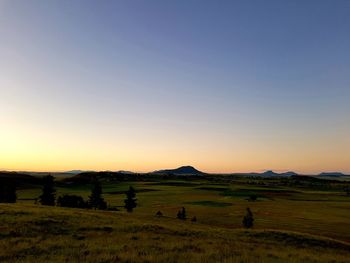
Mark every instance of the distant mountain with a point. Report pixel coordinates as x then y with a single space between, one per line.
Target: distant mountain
273 174
76 172
290 173
124 172
269 173
332 174
183 170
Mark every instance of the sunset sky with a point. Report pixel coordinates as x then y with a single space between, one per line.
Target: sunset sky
225 86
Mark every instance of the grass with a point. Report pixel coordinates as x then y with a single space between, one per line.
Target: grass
296 225
54 234
210 203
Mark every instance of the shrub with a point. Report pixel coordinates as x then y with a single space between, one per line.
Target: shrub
159 214
248 219
74 201
182 214
253 198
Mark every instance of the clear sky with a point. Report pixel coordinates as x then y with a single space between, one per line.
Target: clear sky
225 86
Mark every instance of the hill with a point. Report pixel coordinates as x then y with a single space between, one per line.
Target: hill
50 234
76 171
183 170
272 173
332 174
106 176
18 179
268 173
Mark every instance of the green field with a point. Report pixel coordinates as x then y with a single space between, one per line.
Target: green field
292 224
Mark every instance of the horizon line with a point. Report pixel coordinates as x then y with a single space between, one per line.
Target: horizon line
145 172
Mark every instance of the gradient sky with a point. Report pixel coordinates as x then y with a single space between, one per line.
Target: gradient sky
225 86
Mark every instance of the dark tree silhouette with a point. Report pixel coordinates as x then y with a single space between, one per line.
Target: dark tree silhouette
347 190
96 200
179 215
159 214
130 201
48 195
248 219
182 214
72 201
253 198
8 193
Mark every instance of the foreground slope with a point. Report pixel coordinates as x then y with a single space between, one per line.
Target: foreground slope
49 234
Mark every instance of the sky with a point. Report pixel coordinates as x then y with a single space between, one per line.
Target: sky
225 86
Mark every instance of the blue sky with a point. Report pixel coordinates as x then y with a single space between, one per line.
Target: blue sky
142 85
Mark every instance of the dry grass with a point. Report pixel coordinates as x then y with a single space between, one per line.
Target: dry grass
32 233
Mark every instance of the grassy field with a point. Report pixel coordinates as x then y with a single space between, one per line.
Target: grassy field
291 225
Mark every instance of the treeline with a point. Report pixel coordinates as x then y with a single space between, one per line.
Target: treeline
88 177
8 193
95 200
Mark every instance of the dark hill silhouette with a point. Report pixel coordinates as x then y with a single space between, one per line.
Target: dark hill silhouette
183 170
125 172
290 173
272 173
269 173
76 172
18 178
89 177
313 179
332 174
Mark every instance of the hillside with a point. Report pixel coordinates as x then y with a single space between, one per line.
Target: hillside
54 234
19 179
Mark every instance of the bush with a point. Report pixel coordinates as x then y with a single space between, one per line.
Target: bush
182 214
253 198
159 214
248 219
73 201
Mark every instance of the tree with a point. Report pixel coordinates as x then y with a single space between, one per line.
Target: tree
248 219
130 201
96 200
8 193
182 214
49 192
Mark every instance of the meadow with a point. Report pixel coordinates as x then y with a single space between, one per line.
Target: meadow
292 224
